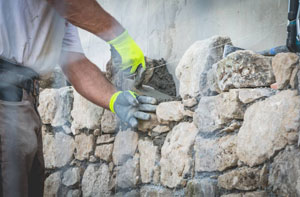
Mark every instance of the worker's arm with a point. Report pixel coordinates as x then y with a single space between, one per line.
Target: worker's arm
87 78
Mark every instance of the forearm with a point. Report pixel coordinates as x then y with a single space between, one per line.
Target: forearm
89 15
87 78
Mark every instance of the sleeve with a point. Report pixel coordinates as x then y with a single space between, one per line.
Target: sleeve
71 40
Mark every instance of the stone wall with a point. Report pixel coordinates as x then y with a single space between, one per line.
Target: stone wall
230 135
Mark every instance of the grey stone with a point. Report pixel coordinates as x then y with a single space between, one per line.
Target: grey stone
74 193
248 194
266 127
132 193
52 185
197 60
249 95
71 176
84 146
150 191
108 122
104 152
202 188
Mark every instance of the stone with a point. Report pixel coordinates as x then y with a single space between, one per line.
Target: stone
55 106
202 188
125 146
284 176
74 193
294 81
92 159
214 112
170 111
232 127
248 194
191 102
109 122
176 159
97 132
104 152
149 191
249 95
148 159
242 69
266 127
283 65
84 146
105 139
148 125
161 129
132 193
195 63
52 184
71 176
55 79
85 114
95 181
215 154
58 150
128 174
242 179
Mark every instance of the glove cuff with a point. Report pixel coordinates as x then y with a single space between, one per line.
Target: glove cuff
123 38
113 100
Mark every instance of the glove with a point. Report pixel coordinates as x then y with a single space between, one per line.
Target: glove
129 53
129 107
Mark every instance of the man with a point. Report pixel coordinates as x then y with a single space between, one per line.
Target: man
35 35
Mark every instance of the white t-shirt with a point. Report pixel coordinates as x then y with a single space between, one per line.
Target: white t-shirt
33 34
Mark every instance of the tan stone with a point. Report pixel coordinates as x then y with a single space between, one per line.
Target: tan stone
250 95
104 139
161 129
104 152
148 125
109 122
84 146
170 111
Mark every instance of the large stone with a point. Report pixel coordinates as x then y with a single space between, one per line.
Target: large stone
284 176
266 127
128 174
95 181
58 150
283 65
125 146
243 179
84 146
176 159
108 122
202 188
242 69
151 191
148 125
148 159
104 152
170 111
55 106
215 154
52 184
197 60
71 176
85 114
214 112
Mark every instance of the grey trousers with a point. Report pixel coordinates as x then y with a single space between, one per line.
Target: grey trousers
21 154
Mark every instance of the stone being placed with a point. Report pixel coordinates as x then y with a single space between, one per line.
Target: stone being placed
215 154
214 112
55 106
85 114
243 179
125 146
95 181
242 69
170 111
284 176
176 157
203 187
104 152
266 127
52 184
148 159
71 176
58 150
197 60
283 65
108 122
84 146
148 125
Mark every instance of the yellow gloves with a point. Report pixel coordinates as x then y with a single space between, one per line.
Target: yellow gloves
131 54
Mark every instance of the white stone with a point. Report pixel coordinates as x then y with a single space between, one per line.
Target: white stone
58 150
85 114
170 111
197 60
104 139
52 184
176 159
71 176
108 122
250 95
161 129
84 146
191 102
104 152
266 127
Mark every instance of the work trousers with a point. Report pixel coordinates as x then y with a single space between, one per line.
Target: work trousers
21 154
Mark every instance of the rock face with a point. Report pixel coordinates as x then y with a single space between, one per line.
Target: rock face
215 154
85 114
84 146
176 158
95 181
283 66
242 69
285 173
197 60
52 185
266 127
58 149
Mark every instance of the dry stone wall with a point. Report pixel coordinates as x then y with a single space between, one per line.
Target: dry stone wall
230 135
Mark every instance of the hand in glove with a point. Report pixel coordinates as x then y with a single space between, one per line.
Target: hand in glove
128 53
130 107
